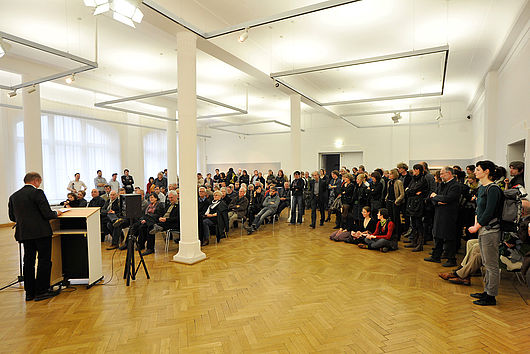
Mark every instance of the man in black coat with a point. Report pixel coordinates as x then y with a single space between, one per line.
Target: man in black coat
445 218
109 213
318 190
171 218
202 206
96 200
30 210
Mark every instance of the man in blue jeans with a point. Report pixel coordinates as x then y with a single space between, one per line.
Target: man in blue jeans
297 192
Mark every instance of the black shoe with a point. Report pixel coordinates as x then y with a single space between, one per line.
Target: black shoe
148 252
410 245
30 297
336 228
322 223
205 243
47 295
123 248
312 226
431 259
419 248
236 224
112 247
407 241
479 295
449 264
486 301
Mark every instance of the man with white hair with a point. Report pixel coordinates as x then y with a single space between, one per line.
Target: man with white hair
170 219
238 207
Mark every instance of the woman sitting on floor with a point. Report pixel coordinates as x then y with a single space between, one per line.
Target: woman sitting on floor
382 239
358 233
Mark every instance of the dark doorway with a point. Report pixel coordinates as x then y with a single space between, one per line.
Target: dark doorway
330 162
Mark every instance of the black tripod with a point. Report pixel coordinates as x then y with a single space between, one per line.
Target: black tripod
20 277
130 270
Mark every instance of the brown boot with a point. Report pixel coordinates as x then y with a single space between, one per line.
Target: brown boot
419 247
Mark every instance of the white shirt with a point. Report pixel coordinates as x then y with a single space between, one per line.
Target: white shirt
77 185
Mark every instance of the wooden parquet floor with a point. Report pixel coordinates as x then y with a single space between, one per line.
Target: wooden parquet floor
290 290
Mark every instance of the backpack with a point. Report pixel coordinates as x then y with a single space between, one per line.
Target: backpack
512 208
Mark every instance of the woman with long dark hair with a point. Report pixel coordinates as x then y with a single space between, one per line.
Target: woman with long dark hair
416 193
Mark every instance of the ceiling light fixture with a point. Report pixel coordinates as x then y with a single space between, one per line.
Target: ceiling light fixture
12 93
338 143
125 11
243 37
70 79
4 47
32 89
396 117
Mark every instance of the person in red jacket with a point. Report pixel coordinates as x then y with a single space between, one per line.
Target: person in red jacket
383 238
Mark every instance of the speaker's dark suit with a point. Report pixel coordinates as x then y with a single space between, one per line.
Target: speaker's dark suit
30 210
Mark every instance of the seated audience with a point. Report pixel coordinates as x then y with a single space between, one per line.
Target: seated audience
96 200
121 223
106 192
170 220
81 199
383 238
109 214
216 216
237 209
269 207
152 214
71 201
203 203
150 184
285 198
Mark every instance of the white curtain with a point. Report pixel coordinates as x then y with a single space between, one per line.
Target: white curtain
155 153
71 145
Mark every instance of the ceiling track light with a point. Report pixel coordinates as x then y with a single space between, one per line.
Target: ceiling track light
32 89
243 37
12 93
440 115
396 117
70 79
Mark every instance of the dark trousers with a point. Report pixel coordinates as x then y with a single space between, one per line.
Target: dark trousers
144 236
298 205
417 223
377 243
316 203
283 204
345 217
117 232
393 211
428 221
441 245
42 247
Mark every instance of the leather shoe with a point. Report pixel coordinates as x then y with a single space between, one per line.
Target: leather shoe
449 264
30 297
322 223
487 301
148 252
479 295
447 276
460 281
431 259
47 295
312 226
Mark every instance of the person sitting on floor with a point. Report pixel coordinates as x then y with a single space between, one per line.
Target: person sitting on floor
357 235
382 239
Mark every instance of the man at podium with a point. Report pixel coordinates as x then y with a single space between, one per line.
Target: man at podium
30 210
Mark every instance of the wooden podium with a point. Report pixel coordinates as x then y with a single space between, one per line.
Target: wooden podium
76 247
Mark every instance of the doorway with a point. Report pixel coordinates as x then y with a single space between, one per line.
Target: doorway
330 162
515 152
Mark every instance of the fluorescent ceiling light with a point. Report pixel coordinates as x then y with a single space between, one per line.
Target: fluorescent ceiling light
123 19
4 47
100 9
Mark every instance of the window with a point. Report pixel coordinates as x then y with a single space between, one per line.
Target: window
155 153
71 145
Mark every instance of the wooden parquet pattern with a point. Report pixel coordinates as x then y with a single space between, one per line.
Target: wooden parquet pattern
290 290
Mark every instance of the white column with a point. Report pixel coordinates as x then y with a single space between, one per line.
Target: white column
171 147
296 136
189 246
32 129
490 116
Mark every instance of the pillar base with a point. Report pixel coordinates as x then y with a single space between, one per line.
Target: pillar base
189 253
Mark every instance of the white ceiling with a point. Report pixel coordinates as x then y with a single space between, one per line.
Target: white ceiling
143 60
